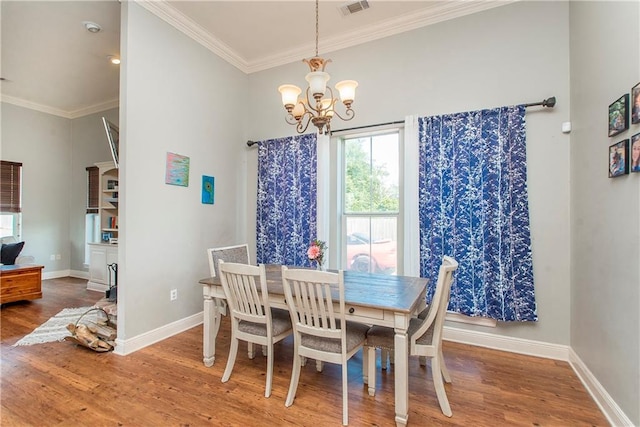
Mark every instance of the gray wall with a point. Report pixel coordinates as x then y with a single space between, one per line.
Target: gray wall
490 59
55 152
176 96
42 143
605 213
89 146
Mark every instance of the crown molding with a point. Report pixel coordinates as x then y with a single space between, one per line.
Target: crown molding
103 106
190 28
35 106
442 11
114 103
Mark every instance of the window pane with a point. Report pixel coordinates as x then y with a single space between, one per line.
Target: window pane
371 174
371 244
6 225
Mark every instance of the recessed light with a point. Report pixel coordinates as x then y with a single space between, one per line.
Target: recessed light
114 59
92 27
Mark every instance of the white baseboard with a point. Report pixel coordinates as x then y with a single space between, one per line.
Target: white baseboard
95 286
128 346
513 345
78 274
604 401
55 274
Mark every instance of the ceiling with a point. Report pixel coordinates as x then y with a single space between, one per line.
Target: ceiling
51 63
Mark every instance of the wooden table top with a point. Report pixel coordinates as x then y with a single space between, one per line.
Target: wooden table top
19 267
380 291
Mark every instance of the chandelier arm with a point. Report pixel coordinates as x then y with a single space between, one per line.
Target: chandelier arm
300 127
290 119
349 114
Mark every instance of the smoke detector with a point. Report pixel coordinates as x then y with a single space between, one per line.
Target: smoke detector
353 7
92 27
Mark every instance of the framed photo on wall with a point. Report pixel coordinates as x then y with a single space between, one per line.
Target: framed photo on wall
635 153
619 159
618 112
635 104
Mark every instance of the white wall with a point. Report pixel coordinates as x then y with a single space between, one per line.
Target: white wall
42 143
498 57
176 96
605 213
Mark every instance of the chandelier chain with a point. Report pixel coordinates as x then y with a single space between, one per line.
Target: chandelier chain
319 102
317 1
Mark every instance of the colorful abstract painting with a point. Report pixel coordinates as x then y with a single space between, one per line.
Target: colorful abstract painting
208 186
177 170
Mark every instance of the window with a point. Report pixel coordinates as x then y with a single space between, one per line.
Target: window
91 223
371 200
10 202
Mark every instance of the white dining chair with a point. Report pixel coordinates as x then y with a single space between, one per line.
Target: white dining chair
425 337
235 253
252 319
317 308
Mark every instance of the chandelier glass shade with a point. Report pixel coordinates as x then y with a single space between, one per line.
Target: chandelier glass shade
318 105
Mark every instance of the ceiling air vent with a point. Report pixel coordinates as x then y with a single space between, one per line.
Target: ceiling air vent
353 7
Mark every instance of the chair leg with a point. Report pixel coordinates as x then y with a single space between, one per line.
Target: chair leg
345 396
251 352
269 351
264 350
365 365
371 369
384 356
436 374
443 368
295 376
319 365
422 360
233 351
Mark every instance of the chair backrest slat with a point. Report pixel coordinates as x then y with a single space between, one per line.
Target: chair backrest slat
240 286
310 293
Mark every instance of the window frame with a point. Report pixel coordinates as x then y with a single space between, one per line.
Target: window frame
11 194
339 196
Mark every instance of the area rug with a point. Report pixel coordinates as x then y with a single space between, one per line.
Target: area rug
55 329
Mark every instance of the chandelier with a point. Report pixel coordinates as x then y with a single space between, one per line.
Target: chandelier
317 109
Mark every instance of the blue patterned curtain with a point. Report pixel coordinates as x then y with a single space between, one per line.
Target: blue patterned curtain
474 206
286 217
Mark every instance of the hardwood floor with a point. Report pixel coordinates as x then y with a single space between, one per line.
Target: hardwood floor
59 384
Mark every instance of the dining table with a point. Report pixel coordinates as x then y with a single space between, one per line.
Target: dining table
370 298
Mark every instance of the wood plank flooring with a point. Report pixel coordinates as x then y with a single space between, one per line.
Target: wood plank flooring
166 384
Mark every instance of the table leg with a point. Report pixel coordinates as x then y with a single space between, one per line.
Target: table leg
401 371
211 328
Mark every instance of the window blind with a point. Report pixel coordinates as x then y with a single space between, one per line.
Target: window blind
93 190
10 179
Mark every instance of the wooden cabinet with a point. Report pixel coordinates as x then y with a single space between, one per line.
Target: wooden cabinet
101 255
20 282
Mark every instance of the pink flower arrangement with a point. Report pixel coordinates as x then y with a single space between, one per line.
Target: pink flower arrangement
316 251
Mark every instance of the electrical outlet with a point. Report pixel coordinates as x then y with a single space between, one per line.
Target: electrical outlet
52 257
173 295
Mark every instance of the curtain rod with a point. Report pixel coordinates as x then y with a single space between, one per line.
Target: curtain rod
549 102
